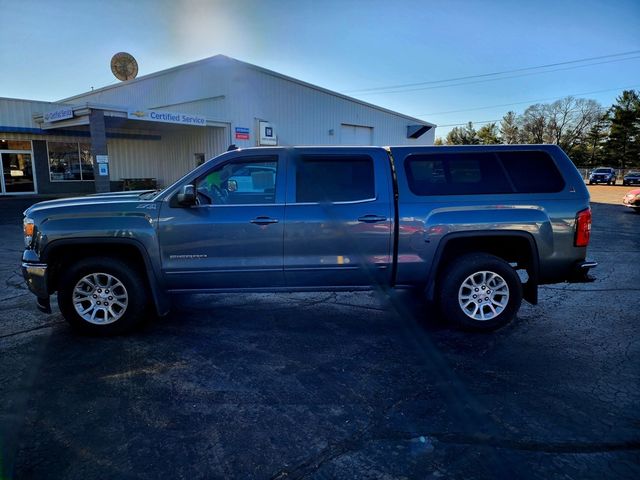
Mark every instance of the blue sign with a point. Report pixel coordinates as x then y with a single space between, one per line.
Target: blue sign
242 130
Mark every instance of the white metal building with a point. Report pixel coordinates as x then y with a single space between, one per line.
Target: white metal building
162 125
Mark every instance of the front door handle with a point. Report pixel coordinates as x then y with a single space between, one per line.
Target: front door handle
372 219
264 220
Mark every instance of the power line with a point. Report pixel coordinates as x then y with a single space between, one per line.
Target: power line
500 78
466 123
527 101
388 87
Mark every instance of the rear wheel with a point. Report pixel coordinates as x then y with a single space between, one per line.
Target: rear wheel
102 296
480 292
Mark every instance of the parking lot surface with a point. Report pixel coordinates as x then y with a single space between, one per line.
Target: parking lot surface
325 385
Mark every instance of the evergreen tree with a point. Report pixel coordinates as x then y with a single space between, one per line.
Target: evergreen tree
455 136
623 145
509 128
470 136
488 134
594 149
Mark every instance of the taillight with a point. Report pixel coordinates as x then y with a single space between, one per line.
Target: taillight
583 228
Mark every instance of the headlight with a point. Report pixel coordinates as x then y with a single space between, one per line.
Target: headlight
28 228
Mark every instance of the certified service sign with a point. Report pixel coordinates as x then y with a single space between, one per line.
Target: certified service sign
168 117
60 114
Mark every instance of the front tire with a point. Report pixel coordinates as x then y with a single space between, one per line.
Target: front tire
102 296
480 292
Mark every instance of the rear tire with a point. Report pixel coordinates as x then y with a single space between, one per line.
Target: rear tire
480 292
102 296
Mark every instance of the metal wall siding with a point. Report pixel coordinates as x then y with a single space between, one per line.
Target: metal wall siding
19 113
304 115
167 159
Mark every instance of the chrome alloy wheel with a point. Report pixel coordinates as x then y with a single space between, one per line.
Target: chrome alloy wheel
483 295
100 298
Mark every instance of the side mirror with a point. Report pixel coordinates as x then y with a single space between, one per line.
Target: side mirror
187 195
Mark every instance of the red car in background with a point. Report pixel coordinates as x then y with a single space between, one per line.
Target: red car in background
632 200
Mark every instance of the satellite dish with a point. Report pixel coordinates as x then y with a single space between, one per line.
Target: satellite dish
124 66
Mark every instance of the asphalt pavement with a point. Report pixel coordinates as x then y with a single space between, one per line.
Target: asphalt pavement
330 385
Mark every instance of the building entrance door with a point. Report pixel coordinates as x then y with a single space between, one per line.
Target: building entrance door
17 173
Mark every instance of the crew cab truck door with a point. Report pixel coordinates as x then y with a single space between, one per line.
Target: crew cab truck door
232 237
339 217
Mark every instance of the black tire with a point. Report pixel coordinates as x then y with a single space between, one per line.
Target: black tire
131 286
460 271
590 183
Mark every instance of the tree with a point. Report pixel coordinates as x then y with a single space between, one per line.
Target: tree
488 134
569 120
466 135
594 142
534 124
623 145
438 141
509 128
470 136
455 136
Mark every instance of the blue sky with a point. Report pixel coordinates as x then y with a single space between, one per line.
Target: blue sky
54 49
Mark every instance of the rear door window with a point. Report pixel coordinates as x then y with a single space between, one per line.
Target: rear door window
334 178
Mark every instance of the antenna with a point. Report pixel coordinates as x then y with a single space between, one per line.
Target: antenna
124 66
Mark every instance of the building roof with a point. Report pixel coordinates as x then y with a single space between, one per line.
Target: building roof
224 58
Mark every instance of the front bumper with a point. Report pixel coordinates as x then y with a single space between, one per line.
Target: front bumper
35 274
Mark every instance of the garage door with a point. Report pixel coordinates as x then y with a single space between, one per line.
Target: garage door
356 135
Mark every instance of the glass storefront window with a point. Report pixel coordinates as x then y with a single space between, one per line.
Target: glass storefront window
86 161
69 161
15 145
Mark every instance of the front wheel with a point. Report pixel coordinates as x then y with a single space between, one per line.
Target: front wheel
102 296
480 292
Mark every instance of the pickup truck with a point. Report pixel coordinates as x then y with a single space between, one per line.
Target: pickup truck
476 228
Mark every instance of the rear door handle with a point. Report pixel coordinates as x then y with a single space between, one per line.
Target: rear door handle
372 219
264 220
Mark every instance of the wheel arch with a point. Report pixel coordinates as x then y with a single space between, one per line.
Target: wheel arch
512 246
61 252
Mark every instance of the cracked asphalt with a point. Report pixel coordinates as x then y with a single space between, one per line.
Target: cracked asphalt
330 386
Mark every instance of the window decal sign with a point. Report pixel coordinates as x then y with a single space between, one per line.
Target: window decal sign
242 133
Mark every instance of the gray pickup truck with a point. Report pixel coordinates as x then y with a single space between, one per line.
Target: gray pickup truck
476 228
